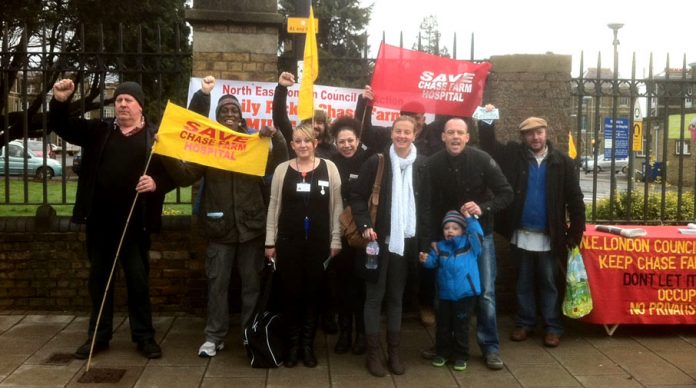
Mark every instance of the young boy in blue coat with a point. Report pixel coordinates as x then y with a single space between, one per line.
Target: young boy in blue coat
458 284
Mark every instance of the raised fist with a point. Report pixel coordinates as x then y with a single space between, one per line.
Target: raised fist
267 131
207 84
368 93
63 89
286 79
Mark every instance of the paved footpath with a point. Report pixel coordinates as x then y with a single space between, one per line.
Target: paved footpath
34 349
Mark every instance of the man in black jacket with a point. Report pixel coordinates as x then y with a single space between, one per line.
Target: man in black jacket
468 179
547 187
114 155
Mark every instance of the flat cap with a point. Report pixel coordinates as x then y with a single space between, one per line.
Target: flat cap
532 123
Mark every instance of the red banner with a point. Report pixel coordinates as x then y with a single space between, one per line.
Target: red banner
441 85
641 280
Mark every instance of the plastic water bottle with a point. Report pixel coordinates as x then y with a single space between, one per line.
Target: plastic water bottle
372 251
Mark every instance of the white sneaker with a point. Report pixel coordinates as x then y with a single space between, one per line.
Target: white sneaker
209 349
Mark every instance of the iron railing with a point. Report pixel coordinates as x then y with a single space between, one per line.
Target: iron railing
157 57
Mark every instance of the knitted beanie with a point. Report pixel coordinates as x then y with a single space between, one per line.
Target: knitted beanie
132 89
454 216
227 99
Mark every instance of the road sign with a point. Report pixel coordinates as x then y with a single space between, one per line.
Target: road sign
299 25
637 136
621 146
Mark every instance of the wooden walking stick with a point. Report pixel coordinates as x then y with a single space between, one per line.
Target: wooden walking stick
113 266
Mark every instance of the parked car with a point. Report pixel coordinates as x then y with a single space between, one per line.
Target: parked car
16 155
603 164
36 146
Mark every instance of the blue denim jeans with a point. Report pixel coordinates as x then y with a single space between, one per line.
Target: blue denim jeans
486 322
537 270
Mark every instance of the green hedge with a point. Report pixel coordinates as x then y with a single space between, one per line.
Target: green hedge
653 210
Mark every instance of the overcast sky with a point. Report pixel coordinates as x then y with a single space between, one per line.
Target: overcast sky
539 26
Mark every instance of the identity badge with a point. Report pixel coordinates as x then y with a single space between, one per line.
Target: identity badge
323 184
303 187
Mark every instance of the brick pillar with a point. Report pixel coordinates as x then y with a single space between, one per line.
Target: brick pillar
526 85
235 40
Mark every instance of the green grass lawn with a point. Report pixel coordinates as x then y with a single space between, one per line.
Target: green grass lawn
24 199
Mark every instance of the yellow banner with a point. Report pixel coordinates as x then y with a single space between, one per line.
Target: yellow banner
188 136
572 151
310 71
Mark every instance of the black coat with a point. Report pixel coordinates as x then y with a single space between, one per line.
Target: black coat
92 136
362 189
239 197
563 193
470 176
349 169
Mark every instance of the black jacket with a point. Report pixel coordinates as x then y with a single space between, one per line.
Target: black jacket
362 189
470 176
563 192
349 169
92 136
239 197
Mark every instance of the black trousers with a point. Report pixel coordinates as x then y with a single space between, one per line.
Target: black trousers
300 269
102 243
452 333
348 289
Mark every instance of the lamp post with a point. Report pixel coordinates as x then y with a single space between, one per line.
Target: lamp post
615 92
615 27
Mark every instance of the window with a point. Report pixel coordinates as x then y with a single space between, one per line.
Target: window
684 149
15 151
109 111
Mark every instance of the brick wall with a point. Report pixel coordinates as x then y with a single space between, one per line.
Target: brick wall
48 270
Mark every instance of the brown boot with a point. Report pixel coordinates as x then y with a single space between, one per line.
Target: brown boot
394 363
374 362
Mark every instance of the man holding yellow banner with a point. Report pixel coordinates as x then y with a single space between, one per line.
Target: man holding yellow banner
233 163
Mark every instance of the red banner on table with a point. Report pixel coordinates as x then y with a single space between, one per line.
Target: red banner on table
641 280
440 85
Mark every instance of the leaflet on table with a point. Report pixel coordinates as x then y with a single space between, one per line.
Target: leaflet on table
626 232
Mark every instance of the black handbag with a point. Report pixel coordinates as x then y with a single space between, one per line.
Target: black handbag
263 333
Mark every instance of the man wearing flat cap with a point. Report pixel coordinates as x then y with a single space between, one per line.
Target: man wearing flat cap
233 214
114 155
547 188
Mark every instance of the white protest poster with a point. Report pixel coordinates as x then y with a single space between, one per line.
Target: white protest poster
256 99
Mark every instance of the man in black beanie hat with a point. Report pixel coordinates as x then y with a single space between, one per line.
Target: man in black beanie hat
114 155
132 89
233 214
